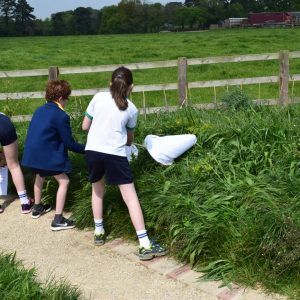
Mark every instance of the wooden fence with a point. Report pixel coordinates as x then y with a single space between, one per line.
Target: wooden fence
283 78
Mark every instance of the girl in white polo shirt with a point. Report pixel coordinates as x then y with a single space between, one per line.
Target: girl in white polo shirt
110 120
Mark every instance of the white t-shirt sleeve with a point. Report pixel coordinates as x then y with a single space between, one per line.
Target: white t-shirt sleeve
90 111
131 124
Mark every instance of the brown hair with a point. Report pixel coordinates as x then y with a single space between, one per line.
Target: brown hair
56 89
121 81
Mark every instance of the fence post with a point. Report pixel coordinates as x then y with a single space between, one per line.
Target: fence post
284 77
53 73
182 80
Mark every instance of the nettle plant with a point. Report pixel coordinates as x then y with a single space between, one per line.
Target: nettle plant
236 99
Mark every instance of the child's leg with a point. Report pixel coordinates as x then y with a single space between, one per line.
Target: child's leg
98 189
38 187
11 156
131 199
63 185
59 222
39 208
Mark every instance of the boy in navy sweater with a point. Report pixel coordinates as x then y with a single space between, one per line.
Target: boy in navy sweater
48 140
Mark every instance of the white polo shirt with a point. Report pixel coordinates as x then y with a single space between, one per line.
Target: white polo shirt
108 131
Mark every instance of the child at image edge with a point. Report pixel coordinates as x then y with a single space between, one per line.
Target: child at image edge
110 120
9 142
48 140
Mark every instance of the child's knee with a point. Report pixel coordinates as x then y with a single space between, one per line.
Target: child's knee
64 182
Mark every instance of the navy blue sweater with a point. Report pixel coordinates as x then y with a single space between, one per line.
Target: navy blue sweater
49 138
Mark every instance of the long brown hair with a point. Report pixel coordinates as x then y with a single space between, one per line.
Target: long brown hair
121 81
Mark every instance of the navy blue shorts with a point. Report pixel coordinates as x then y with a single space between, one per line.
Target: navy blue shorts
45 173
115 168
7 131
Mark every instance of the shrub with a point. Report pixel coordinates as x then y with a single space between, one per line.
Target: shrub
236 99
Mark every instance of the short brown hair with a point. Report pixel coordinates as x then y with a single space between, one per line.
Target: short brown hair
56 89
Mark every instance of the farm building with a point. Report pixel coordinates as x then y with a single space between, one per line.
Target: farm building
235 22
270 18
296 17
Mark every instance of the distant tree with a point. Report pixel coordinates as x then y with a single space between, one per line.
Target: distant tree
155 17
197 17
278 5
182 14
42 27
7 8
215 10
108 19
235 10
58 24
82 20
24 18
130 16
248 5
170 13
296 5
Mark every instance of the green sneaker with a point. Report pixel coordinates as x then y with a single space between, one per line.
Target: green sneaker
155 251
99 239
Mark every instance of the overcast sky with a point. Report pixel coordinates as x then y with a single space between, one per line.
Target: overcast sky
44 8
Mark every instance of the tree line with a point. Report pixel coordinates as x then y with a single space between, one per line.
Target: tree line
131 16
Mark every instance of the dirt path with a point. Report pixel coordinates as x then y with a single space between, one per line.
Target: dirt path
99 272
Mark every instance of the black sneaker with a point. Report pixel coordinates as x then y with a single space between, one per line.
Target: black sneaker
27 208
99 239
40 209
63 224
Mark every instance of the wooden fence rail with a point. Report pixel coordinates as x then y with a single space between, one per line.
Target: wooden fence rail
182 85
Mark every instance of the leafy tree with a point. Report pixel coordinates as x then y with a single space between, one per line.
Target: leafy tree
170 13
131 16
24 17
7 8
109 19
58 24
235 10
82 20
215 10
155 17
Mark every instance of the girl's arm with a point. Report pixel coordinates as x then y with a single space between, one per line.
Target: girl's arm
86 123
130 137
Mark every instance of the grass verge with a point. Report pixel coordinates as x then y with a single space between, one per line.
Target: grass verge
18 283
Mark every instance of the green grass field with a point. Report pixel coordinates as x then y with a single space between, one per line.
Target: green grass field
68 51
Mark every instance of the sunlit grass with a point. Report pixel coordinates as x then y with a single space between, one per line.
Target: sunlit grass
68 51
19 283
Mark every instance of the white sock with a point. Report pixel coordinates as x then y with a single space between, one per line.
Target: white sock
143 239
23 197
99 229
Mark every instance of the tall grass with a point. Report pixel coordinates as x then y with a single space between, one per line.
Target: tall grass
18 283
229 206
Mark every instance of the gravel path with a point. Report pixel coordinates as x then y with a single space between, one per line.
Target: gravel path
97 271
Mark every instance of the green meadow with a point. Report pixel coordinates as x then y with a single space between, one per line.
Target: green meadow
74 51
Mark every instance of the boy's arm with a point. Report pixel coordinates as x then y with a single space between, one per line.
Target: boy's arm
65 133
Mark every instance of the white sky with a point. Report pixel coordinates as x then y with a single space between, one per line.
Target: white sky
44 8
